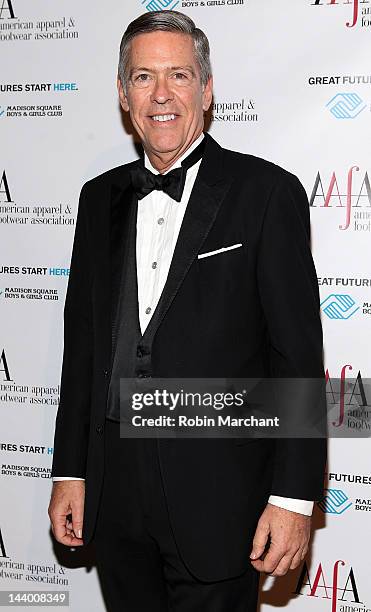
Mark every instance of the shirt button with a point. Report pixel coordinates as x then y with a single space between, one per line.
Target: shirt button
148 310
154 264
160 220
99 429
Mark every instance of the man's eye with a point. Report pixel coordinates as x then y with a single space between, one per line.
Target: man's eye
142 79
180 75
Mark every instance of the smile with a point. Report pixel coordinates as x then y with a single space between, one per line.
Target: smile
163 117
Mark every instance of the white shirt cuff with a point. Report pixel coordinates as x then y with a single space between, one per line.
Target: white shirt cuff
56 478
302 506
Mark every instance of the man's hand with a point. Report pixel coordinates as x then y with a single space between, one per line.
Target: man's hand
289 537
67 498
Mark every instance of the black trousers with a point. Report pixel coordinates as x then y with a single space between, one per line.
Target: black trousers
139 566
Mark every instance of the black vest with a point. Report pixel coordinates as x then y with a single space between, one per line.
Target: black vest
131 350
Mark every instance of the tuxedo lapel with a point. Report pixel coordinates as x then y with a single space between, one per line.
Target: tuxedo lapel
123 214
209 190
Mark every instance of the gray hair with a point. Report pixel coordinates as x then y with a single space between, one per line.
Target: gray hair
168 21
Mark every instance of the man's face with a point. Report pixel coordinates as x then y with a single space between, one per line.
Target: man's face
164 93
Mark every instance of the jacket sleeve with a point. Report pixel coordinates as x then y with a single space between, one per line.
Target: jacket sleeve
289 294
73 415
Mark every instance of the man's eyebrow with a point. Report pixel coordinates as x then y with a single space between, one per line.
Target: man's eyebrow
145 69
136 68
190 68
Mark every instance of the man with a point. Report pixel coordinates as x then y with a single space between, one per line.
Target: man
201 272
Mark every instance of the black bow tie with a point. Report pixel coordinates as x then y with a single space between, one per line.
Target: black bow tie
172 183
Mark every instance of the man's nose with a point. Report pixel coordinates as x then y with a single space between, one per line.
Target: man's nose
161 92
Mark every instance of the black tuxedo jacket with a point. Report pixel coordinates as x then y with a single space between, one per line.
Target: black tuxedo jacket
247 312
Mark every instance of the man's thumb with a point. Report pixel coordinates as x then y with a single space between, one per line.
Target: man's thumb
77 520
259 541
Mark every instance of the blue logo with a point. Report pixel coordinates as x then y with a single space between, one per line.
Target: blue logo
346 105
160 5
338 306
2 111
334 502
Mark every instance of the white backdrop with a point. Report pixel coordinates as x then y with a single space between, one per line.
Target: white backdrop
292 84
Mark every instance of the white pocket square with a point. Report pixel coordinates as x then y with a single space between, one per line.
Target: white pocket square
228 248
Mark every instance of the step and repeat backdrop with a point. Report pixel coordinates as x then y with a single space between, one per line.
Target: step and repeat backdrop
292 85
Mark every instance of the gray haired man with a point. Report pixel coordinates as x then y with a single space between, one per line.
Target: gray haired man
189 262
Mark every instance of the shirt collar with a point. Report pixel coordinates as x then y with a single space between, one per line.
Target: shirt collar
178 162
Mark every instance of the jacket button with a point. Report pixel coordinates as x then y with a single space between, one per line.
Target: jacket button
99 429
143 350
105 372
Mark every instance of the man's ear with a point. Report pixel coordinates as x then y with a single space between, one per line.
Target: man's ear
122 95
207 94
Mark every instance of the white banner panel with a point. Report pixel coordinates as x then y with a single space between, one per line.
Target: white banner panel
292 85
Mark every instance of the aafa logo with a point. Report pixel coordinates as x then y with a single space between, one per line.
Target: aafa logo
4 367
349 392
355 6
4 189
339 589
331 196
6 10
2 546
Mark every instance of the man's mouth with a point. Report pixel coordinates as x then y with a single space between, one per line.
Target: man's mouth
161 118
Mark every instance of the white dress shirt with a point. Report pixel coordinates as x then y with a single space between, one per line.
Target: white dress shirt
159 219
